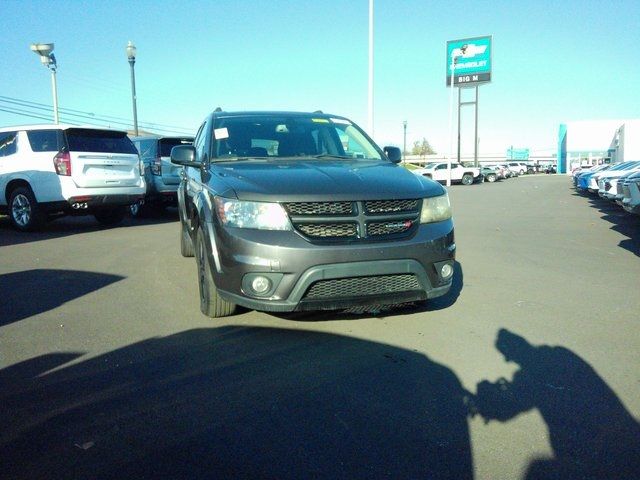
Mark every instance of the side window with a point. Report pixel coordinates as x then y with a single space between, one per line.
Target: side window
442 166
200 143
44 140
147 148
8 143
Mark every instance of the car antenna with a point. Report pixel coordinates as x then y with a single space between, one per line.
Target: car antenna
318 111
218 109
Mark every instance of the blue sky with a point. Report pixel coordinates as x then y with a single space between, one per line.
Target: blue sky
552 62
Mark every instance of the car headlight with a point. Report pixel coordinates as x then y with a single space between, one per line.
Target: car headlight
435 209
259 215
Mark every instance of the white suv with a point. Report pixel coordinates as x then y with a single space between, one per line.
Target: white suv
52 170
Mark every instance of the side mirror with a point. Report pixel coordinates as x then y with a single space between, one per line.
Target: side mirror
184 155
393 153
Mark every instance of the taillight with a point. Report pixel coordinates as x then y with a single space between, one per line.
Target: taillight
62 163
156 166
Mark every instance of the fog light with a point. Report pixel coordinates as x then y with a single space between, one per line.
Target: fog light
446 271
260 284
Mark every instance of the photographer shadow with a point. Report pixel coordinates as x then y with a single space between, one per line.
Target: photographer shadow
591 433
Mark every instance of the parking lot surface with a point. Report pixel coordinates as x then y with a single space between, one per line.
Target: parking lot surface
528 368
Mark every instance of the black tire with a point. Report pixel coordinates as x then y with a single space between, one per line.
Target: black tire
136 209
490 178
186 244
24 211
211 304
467 179
110 216
522 172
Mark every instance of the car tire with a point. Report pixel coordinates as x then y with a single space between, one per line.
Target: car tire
467 179
211 303
136 209
24 211
110 216
490 178
186 244
522 172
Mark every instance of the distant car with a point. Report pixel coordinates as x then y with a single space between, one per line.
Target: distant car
500 170
615 170
607 181
489 174
583 178
550 169
438 171
519 168
161 176
631 198
48 171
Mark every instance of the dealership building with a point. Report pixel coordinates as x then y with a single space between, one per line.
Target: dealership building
592 142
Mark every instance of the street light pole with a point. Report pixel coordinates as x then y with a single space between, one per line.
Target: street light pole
404 149
48 59
131 55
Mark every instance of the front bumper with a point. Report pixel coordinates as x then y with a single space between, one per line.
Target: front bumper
310 276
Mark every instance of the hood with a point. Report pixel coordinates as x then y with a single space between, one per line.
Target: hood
313 180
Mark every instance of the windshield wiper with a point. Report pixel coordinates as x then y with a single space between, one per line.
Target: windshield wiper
327 155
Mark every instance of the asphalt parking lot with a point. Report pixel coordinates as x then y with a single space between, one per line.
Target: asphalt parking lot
108 369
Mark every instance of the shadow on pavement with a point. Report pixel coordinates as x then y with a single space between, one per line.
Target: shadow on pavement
31 292
70 225
591 433
623 222
239 403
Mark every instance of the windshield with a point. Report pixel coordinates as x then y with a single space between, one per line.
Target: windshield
290 136
103 141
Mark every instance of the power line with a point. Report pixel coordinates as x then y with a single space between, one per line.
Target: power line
104 119
27 114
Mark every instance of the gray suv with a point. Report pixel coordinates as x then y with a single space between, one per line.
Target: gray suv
160 175
302 211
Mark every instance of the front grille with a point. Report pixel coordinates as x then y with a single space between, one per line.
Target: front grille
387 206
328 230
362 286
387 228
352 221
319 208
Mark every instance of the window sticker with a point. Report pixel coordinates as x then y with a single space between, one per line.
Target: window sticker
319 120
220 133
341 121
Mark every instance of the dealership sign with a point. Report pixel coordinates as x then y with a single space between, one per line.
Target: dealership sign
469 60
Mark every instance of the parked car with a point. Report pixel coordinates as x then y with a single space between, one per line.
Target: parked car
550 169
161 176
622 187
613 171
508 172
51 170
489 174
438 171
302 211
519 168
631 200
607 180
500 170
583 178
